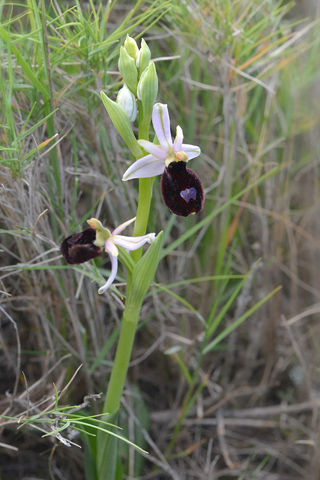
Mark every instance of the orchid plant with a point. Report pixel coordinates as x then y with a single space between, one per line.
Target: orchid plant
182 193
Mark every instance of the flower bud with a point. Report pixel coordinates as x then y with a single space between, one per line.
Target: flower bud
127 102
147 91
131 47
144 57
128 69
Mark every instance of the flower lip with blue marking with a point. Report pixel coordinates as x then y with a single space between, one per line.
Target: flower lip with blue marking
181 190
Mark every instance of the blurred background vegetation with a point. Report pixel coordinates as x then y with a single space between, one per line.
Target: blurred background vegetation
224 380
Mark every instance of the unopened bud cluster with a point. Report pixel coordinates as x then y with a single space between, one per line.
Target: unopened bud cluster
140 79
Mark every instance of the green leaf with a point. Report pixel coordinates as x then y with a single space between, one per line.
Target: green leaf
27 70
107 453
89 456
142 277
108 448
238 322
137 432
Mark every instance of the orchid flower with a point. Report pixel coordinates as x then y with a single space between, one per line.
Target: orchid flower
181 188
110 240
80 247
84 246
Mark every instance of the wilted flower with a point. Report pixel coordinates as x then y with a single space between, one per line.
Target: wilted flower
181 188
110 240
80 247
84 246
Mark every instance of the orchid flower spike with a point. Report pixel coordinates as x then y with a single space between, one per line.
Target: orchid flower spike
110 240
86 245
181 188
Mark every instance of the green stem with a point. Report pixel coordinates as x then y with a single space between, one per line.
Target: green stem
129 325
106 449
121 364
144 202
141 223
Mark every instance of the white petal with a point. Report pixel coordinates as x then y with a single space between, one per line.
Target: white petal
145 167
122 226
191 150
161 124
178 140
114 269
133 243
156 150
110 247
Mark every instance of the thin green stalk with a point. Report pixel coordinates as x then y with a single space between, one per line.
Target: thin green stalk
140 226
143 210
142 218
144 202
121 363
129 325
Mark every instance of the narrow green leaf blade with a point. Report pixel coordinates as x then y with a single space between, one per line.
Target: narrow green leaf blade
142 277
238 322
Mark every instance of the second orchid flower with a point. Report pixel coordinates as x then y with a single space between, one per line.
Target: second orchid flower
81 247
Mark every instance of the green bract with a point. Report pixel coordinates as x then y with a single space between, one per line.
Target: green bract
147 92
142 276
128 69
144 57
122 124
131 47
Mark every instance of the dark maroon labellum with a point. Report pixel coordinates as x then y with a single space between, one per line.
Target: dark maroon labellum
181 189
79 247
